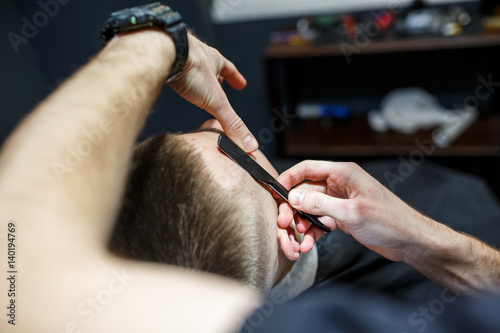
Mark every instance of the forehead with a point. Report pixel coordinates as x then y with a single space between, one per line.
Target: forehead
225 171
228 173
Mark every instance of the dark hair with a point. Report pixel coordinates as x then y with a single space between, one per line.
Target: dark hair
174 212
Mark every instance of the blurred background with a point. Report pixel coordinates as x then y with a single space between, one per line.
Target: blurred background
72 36
358 80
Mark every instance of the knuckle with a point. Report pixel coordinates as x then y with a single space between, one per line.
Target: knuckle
316 201
313 163
305 163
207 102
350 170
355 210
350 167
236 125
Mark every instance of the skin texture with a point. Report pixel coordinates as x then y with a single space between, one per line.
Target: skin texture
64 206
229 174
206 67
349 199
62 175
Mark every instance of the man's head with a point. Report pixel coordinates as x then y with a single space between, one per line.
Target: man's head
188 204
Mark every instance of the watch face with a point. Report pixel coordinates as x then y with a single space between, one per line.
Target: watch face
154 8
158 8
139 17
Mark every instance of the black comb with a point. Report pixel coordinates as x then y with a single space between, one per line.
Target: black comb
256 171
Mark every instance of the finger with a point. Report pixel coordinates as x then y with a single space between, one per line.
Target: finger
285 216
232 124
317 186
231 74
302 225
320 204
289 245
322 187
207 66
310 238
337 172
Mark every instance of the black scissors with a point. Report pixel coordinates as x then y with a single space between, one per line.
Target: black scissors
258 172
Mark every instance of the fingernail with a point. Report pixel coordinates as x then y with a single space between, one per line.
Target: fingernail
250 143
295 197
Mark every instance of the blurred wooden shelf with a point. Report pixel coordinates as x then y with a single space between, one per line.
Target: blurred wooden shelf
453 69
286 51
354 137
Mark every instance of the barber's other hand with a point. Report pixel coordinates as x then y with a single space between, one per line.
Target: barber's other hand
347 198
200 83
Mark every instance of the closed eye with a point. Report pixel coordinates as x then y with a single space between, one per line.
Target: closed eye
208 129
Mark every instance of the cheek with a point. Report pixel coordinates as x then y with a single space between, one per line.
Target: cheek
273 220
264 162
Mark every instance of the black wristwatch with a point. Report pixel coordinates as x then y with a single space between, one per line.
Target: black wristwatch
154 14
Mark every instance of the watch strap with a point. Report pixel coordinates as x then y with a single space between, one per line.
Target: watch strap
154 14
178 31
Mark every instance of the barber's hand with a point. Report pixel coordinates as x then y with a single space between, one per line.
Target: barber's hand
347 198
200 83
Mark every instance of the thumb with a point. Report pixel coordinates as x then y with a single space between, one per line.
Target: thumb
232 124
314 202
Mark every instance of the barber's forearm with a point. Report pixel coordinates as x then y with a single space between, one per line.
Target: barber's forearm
74 147
456 261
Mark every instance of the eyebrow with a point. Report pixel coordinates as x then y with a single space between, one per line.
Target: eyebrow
208 129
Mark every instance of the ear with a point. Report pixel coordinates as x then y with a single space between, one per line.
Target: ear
288 243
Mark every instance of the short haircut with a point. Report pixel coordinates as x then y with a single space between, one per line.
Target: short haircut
175 212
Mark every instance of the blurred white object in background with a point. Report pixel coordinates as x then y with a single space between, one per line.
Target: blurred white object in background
407 110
